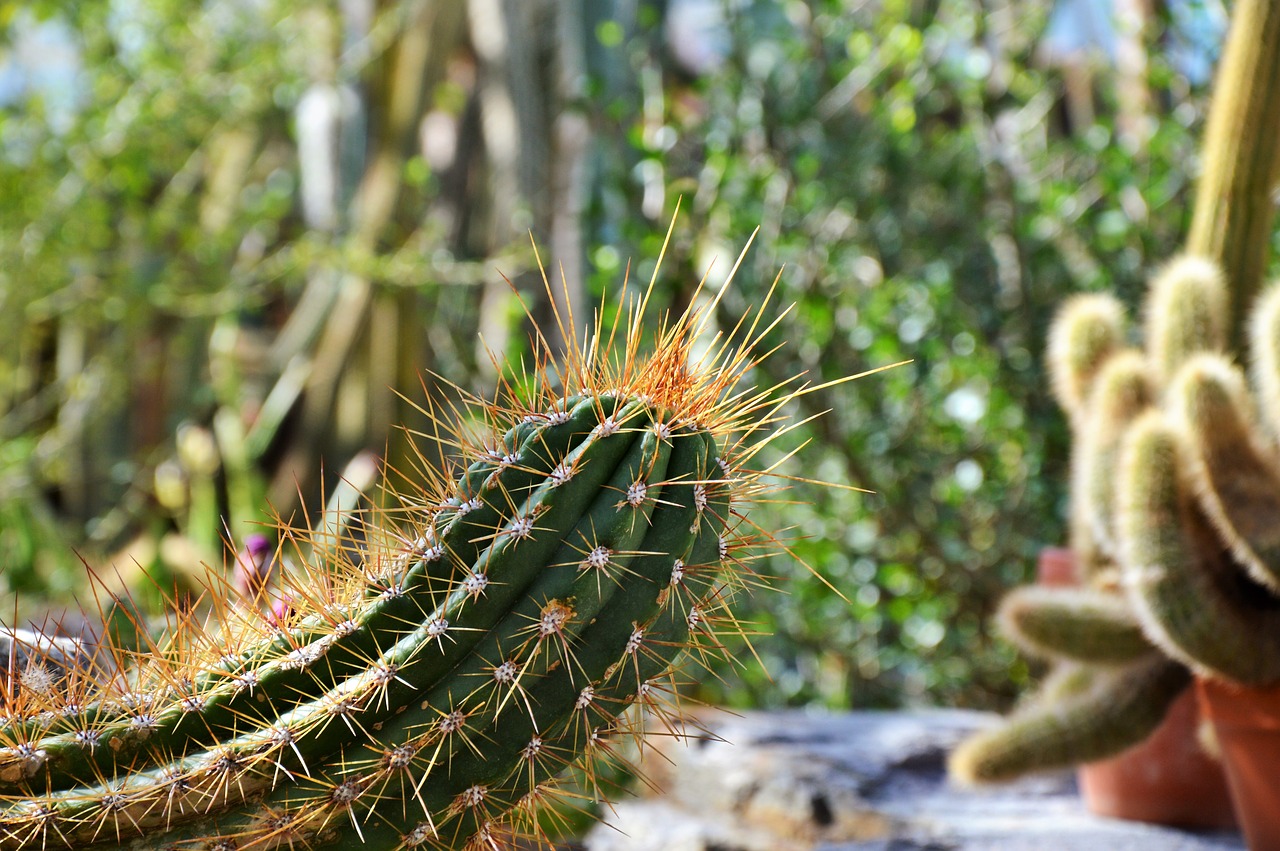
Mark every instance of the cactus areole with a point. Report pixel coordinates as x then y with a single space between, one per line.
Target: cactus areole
429 682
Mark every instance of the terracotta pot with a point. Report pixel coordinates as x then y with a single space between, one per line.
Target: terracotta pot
1056 566
1246 722
1165 779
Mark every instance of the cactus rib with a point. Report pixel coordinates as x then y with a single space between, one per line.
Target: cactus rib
550 690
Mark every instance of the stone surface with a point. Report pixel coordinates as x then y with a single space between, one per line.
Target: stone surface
860 781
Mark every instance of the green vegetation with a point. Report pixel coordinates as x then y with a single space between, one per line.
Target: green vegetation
251 225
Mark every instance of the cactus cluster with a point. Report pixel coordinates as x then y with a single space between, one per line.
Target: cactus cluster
430 678
1175 498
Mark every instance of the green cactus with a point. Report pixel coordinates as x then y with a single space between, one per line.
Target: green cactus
1176 495
1188 511
1141 520
427 690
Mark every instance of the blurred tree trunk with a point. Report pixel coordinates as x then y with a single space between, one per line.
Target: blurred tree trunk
532 82
349 401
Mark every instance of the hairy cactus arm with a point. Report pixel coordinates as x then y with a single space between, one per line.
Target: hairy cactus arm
1193 600
1121 708
1187 312
1086 331
1079 624
1235 473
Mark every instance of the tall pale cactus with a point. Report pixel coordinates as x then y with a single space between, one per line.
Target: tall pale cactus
431 678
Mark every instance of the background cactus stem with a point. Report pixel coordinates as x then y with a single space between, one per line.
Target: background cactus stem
1234 207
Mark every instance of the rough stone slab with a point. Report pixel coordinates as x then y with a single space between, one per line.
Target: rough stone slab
859 781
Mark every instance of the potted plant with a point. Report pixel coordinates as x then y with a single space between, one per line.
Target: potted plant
1176 480
1115 700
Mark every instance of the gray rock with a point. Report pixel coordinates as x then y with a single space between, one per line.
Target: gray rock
860 781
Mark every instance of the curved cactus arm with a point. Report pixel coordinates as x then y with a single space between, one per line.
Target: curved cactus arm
1121 708
1186 313
1066 681
1236 475
1121 391
1193 601
1086 331
1078 624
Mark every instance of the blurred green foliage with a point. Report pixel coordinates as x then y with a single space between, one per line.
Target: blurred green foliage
907 163
909 170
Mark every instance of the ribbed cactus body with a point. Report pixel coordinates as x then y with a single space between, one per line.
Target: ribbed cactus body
458 668
481 742
258 683
576 698
545 575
